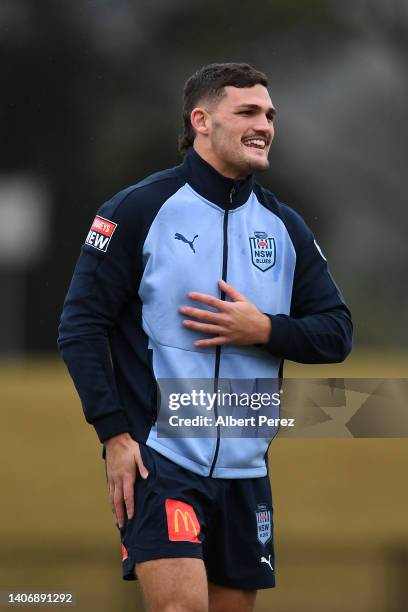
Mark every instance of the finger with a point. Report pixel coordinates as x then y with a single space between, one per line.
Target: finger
209 300
111 489
205 328
118 504
212 341
235 295
128 496
198 313
143 471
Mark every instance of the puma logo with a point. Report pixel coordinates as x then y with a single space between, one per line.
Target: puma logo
178 236
268 561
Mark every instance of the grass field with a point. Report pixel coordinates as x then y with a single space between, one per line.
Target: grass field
340 504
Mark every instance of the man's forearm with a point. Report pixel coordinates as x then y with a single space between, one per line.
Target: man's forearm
320 338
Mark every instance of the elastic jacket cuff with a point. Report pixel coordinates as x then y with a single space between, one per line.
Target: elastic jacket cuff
279 338
111 425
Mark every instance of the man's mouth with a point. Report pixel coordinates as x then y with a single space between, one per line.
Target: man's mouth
256 143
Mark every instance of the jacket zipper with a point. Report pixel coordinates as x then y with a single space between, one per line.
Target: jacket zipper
218 348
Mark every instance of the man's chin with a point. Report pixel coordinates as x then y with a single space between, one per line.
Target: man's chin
258 165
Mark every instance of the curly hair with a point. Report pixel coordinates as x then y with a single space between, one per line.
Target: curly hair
208 84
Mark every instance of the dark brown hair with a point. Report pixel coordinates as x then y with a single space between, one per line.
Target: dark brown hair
208 84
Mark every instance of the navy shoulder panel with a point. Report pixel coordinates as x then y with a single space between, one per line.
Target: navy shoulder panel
298 230
133 211
144 199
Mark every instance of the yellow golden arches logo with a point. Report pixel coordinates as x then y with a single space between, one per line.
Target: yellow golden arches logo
184 516
182 523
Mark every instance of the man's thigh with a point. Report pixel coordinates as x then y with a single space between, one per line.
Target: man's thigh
224 599
173 585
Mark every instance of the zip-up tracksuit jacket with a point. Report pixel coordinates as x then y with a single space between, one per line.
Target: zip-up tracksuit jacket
177 231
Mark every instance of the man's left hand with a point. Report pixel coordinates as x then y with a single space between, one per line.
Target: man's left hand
235 322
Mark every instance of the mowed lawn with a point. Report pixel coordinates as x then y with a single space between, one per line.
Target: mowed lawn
340 504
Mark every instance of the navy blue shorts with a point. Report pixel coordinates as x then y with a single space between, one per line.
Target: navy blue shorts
226 522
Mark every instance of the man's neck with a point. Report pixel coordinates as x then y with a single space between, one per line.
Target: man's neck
208 156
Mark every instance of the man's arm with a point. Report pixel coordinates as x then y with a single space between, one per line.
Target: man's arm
319 328
103 281
105 278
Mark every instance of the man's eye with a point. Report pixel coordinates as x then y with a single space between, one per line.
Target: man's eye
245 112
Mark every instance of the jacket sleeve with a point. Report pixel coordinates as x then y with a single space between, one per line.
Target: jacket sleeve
102 284
319 328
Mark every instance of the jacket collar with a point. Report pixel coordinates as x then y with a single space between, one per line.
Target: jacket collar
212 185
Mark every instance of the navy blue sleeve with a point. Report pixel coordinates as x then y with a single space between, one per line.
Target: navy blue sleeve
101 285
106 277
319 328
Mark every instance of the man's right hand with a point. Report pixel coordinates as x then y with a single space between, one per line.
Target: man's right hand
123 459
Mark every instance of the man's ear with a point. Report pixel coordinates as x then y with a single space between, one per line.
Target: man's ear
200 120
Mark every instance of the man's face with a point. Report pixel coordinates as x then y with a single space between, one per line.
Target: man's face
240 131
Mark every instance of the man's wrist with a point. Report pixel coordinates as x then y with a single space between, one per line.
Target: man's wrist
121 439
265 329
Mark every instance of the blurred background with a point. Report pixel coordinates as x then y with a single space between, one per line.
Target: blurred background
91 103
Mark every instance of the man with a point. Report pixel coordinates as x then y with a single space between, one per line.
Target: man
197 272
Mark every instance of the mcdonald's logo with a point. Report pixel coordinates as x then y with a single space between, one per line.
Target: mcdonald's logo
182 522
186 518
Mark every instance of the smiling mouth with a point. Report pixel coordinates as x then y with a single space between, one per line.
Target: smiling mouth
255 143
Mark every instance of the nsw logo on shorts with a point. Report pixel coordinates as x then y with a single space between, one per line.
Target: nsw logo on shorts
100 233
264 525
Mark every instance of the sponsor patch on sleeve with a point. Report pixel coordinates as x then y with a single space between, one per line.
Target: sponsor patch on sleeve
100 233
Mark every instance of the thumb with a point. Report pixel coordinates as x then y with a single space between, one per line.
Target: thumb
143 471
235 295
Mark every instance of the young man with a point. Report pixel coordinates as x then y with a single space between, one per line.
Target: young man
197 272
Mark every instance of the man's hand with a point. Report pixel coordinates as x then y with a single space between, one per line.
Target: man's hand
123 458
236 322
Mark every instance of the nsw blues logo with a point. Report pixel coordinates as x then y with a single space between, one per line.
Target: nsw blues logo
264 523
263 251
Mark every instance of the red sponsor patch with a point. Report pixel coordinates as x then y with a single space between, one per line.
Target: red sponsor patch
103 226
100 233
124 553
182 523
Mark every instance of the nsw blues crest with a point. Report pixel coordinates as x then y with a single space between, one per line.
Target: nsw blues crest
264 523
263 251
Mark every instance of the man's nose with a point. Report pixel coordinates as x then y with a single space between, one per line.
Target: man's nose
263 125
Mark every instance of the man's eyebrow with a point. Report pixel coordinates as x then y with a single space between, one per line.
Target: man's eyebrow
271 110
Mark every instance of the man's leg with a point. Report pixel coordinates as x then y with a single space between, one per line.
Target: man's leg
223 599
174 585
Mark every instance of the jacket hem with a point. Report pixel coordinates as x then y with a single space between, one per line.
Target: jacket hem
227 472
184 462
204 470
